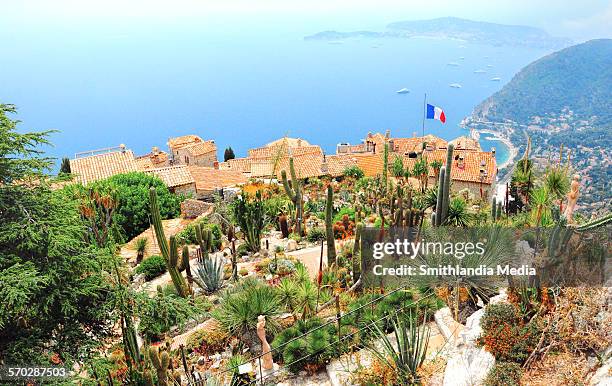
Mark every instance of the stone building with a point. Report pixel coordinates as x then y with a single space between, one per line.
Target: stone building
192 150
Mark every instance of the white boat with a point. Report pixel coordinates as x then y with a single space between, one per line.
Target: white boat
454 64
403 91
489 65
462 58
480 71
455 85
335 42
495 79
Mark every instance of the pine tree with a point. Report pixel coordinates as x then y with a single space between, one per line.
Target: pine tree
65 167
228 154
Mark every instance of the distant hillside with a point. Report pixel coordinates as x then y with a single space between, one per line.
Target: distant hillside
456 28
578 78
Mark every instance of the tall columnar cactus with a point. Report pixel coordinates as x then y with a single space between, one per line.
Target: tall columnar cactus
294 191
329 229
447 182
436 220
204 239
185 264
169 252
385 167
499 210
494 209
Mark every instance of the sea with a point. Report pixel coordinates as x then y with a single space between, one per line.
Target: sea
99 89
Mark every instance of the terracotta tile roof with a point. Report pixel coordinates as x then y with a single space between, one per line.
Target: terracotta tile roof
178 142
172 176
284 151
371 164
306 165
150 161
466 143
337 164
209 179
239 164
415 144
470 172
291 142
200 148
101 166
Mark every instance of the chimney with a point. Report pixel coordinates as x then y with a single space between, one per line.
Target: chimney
460 162
299 142
388 134
216 165
155 150
493 151
122 147
324 165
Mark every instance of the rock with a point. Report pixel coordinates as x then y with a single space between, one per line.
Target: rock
501 298
470 364
468 367
602 375
201 360
291 246
139 279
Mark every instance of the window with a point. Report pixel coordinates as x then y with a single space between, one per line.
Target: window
187 160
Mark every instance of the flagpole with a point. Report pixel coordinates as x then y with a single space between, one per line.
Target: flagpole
424 112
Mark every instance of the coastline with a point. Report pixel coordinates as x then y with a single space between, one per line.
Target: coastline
513 151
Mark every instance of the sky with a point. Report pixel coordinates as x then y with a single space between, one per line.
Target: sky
579 20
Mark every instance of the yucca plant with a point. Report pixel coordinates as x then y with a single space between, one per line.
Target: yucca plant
557 183
141 246
287 289
458 214
306 299
209 274
407 353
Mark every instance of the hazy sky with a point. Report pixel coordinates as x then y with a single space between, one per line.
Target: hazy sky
578 19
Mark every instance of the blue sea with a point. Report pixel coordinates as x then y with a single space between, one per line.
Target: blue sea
101 88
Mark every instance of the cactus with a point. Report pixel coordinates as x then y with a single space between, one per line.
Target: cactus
438 214
204 239
499 211
494 209
185 264
250 215
602 221
294 192
385 166
284 228
329 230
160 360
169 252
447 183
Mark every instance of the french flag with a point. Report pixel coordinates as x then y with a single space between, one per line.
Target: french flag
435 112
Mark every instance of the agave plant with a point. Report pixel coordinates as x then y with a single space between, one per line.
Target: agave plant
209 274
557 183
540 201
407 353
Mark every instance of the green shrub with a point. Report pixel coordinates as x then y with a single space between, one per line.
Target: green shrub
504 374
162 312
152 267
242 250
354 171
506 336
315 235
188 234
347 210
132 214
316 348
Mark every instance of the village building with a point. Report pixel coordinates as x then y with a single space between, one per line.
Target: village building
155 159
211 181
95 165
177 178
192 150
